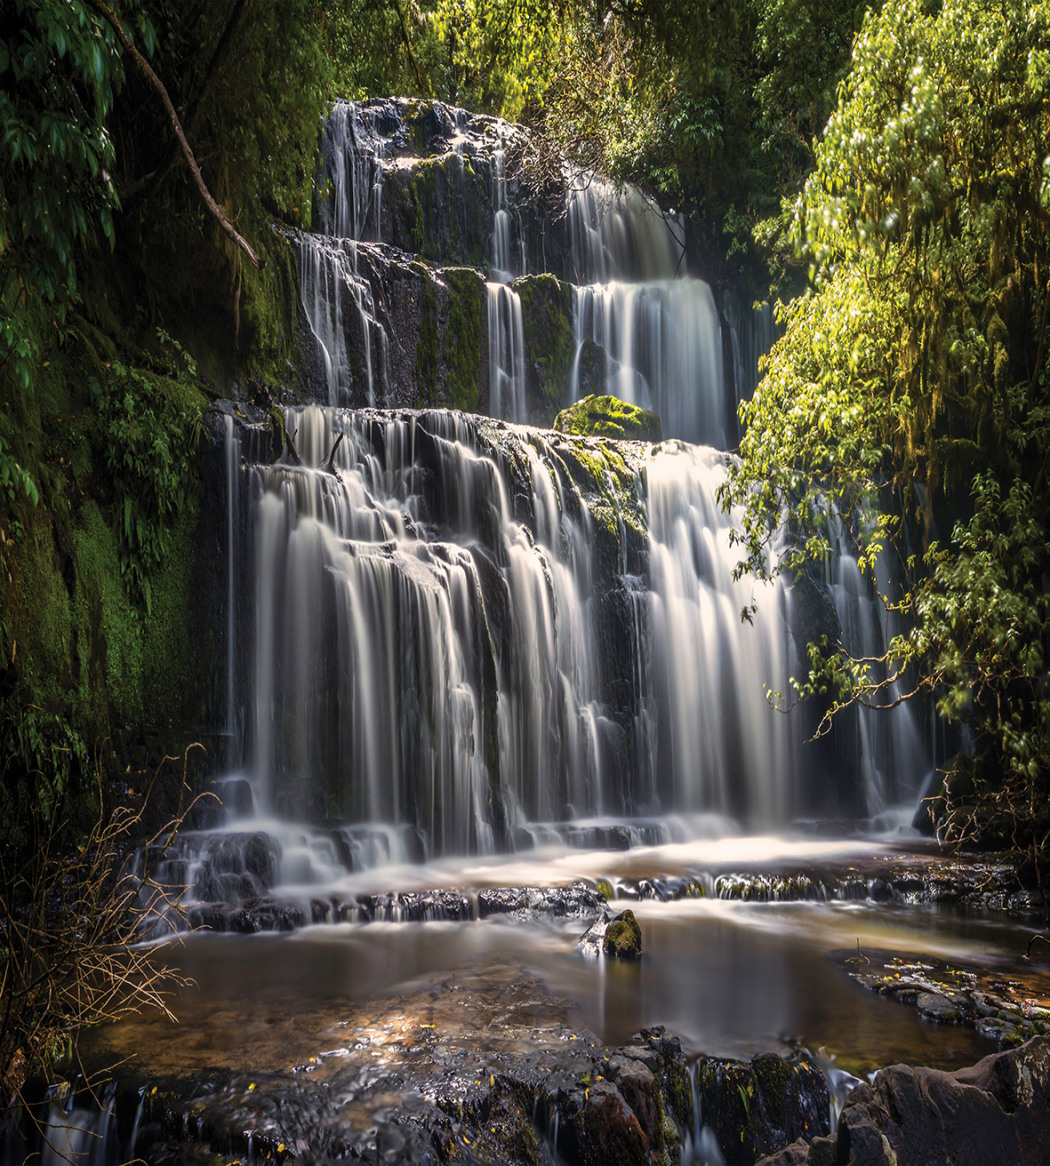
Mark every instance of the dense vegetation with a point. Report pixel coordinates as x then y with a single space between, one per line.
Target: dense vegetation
910 375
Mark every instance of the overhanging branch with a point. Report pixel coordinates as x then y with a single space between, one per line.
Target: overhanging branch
144 67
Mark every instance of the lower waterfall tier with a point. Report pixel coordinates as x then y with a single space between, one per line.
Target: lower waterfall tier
466 628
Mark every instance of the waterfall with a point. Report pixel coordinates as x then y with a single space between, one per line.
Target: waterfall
893 761
463 635
460 629
232 457
431 181
663 351
506 353
350 174
340 311
719 746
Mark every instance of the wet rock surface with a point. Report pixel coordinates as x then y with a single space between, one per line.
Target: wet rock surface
1005 1004
997 1111
480 1067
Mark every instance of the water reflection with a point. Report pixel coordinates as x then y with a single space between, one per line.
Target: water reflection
730 979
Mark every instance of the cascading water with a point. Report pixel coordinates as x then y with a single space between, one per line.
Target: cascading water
506 353
654 328
436 635
467 636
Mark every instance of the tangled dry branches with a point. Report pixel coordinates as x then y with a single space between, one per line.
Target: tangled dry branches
70 922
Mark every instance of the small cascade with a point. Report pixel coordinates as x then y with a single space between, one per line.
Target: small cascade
662 350
893 760
704 659
504 265
751 335
340 311
619 234
506 353
77 1134
232 458
350 174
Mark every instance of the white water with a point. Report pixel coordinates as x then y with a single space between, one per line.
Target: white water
428 639
662 348
341 313
506 353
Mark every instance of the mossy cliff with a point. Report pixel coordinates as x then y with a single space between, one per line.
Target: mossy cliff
106 655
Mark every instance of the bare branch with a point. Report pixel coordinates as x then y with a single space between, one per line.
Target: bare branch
144 67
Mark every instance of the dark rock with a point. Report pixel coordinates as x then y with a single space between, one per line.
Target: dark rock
596 1127
640 1089
623 937
997 1111
758 1108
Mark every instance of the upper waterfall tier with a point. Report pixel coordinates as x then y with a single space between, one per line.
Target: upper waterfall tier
438 278
433 180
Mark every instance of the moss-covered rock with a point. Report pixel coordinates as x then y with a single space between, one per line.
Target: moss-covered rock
606 416
99 627
546 316
623 937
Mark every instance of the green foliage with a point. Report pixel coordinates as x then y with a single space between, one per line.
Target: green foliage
150 427
915 367
714 107
59 73
42 760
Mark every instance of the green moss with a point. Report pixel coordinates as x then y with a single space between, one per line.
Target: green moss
463 337
109 643
607 416
623 939
546 311
269 303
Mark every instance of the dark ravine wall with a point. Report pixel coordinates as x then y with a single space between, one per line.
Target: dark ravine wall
108 660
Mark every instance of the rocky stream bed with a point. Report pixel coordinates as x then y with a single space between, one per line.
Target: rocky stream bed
486 1062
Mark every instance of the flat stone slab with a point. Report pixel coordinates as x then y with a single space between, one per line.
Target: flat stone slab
1005 1004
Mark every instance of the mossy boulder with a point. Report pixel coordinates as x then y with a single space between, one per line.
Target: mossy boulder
606 416
623 937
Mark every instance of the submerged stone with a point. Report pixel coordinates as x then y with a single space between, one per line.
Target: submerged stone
606 416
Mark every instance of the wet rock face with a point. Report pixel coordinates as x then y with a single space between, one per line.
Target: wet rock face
758 1107
996 1111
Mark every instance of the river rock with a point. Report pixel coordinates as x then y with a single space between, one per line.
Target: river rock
623 937
760 1107
997 1111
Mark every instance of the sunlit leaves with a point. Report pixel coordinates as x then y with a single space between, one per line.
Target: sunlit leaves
915 367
